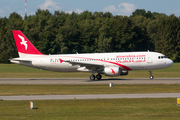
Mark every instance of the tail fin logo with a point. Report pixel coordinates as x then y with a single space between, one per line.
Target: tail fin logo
23 42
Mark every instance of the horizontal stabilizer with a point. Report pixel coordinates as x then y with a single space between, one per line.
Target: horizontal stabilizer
20 59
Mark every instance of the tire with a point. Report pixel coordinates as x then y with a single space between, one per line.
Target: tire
151 77
92 77
98 76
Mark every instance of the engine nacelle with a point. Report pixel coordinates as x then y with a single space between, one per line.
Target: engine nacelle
124 72
111 71
114 71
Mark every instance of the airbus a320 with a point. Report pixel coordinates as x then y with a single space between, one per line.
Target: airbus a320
109 64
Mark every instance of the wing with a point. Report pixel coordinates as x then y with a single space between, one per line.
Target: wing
90 66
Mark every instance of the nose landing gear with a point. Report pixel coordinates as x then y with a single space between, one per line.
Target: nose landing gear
151 76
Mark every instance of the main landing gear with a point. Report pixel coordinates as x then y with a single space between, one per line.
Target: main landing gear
98 76
151 76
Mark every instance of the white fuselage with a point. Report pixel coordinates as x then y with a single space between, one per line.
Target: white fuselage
124 60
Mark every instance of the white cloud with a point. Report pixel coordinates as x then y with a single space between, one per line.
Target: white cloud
122 9
110 8
76 11
32 13
126 8
69 11
50 5
174 12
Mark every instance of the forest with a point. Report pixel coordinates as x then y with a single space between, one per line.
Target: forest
92 32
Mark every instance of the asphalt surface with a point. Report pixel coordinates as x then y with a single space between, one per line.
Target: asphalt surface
96 96
87 81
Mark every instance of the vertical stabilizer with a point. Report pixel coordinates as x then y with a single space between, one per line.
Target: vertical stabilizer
24 46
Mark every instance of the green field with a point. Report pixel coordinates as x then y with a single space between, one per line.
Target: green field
99 109
17 71
85 89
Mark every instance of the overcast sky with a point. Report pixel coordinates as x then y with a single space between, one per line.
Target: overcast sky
116 7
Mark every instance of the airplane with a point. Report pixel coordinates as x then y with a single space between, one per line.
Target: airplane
109 64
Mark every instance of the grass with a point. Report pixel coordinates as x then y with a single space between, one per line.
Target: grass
17 71
99 109
85 89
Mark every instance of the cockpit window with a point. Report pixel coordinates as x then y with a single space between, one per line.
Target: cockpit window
161 57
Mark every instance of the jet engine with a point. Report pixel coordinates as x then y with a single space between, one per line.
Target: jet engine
124 72
114 71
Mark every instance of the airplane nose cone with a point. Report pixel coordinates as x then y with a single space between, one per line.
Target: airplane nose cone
170 62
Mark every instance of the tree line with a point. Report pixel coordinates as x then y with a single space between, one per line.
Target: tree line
92 32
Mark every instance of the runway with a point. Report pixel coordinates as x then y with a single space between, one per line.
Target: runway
96 96
87 81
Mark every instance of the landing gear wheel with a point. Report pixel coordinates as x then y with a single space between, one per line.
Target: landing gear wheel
92 77
98 76
151 77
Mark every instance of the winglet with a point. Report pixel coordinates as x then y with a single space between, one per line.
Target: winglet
24 46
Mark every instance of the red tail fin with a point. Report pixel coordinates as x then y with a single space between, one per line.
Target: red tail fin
23 45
